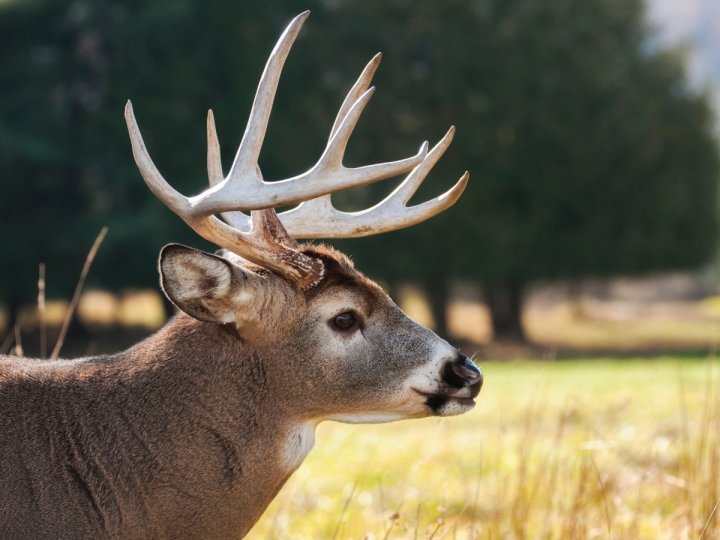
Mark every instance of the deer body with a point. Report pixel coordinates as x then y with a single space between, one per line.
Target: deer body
155 442
192 432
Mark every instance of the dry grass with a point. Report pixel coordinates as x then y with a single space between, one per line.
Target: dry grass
679 326
582 449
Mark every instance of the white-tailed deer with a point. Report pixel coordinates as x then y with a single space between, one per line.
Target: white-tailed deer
192 432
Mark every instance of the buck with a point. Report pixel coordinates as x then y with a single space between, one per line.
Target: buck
192 432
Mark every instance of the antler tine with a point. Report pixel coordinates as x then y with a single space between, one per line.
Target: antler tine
317 218
410 185
248 152
171 198
236 219
214 162
357 90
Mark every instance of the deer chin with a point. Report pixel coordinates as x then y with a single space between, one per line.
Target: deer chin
360 417
442 405
450 404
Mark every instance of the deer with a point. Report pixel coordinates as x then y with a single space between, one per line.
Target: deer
192 432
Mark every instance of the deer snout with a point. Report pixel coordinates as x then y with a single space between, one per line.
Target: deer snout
462 372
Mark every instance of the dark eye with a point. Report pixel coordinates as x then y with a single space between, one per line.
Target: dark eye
345 321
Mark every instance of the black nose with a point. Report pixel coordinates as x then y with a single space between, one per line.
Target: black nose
462 372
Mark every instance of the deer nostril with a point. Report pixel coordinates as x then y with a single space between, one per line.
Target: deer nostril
464 368
462 372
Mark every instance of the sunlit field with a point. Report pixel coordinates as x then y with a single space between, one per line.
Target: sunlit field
572 449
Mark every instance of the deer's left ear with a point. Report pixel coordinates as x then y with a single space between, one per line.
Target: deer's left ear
202 285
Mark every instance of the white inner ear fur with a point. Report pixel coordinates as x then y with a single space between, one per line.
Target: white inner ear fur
193 274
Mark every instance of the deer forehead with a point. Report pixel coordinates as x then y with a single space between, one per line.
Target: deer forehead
354 296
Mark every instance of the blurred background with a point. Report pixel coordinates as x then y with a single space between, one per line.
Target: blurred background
589 129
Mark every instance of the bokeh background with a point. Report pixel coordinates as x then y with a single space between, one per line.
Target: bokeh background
588 128
589 229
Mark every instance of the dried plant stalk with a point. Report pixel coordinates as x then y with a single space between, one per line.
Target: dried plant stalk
18 348
41 310
78 290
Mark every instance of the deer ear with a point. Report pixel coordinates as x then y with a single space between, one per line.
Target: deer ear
199 284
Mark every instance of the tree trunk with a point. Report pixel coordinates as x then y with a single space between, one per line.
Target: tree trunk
505 302
438 297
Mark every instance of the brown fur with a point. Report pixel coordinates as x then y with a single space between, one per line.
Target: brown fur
191 433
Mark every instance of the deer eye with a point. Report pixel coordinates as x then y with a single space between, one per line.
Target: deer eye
345 321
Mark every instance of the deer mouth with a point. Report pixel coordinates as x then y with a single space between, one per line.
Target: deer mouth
448 404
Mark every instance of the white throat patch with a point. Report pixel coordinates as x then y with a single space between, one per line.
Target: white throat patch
301 440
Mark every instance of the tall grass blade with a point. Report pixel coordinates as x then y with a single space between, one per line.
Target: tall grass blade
7 341
709 519
344 511
78 290
18 349
41 310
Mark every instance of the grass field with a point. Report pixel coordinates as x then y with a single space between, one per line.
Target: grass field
573 449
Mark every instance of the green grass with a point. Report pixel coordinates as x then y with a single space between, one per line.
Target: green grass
575 449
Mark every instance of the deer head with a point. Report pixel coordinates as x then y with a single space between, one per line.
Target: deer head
346 350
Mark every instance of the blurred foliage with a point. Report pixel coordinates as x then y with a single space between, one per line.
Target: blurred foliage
588 153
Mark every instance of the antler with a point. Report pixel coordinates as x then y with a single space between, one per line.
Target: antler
318 218
261 237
